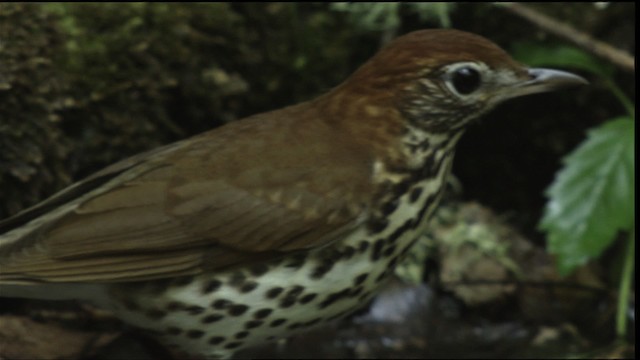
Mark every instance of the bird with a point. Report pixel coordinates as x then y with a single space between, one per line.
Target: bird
272 224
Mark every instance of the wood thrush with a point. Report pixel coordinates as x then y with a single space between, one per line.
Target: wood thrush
277 222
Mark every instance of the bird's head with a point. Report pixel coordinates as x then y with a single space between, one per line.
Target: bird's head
440 80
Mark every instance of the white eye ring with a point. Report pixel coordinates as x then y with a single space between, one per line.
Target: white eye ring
464 78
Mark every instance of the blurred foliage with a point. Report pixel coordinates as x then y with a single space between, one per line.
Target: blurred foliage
386 15
86 84
592 198
32 146
138 78
559 55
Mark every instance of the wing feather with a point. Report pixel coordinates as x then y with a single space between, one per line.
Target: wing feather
219 199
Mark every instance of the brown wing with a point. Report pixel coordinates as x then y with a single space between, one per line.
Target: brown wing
251 190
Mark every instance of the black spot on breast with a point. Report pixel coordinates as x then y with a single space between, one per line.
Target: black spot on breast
262 313
415 222
427 171
402 187
237 310
287 302
399 231
360 279
364 296
253 324
237 279
377 225
248 287
364 245
194 309
320 270
291 296
415 194
390 250
221 304
432 165
274 292
389 207
297 261
349 251
424 144
277 322
258 269
333 297
356 291
211 286
295 291
242 335
377 248
212 318
427 204
381 277
393 262
308 298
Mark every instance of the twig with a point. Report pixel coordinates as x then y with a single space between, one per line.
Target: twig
601 49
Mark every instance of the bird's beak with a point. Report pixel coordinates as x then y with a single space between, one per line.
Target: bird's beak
543 80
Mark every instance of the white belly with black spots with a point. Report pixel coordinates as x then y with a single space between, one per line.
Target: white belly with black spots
219 313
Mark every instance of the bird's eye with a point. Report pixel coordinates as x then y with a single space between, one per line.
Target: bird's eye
465 80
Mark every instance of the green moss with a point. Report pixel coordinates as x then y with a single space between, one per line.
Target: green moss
122 78
32 148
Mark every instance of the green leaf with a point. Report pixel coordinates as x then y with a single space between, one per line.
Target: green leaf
592 196
561 56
